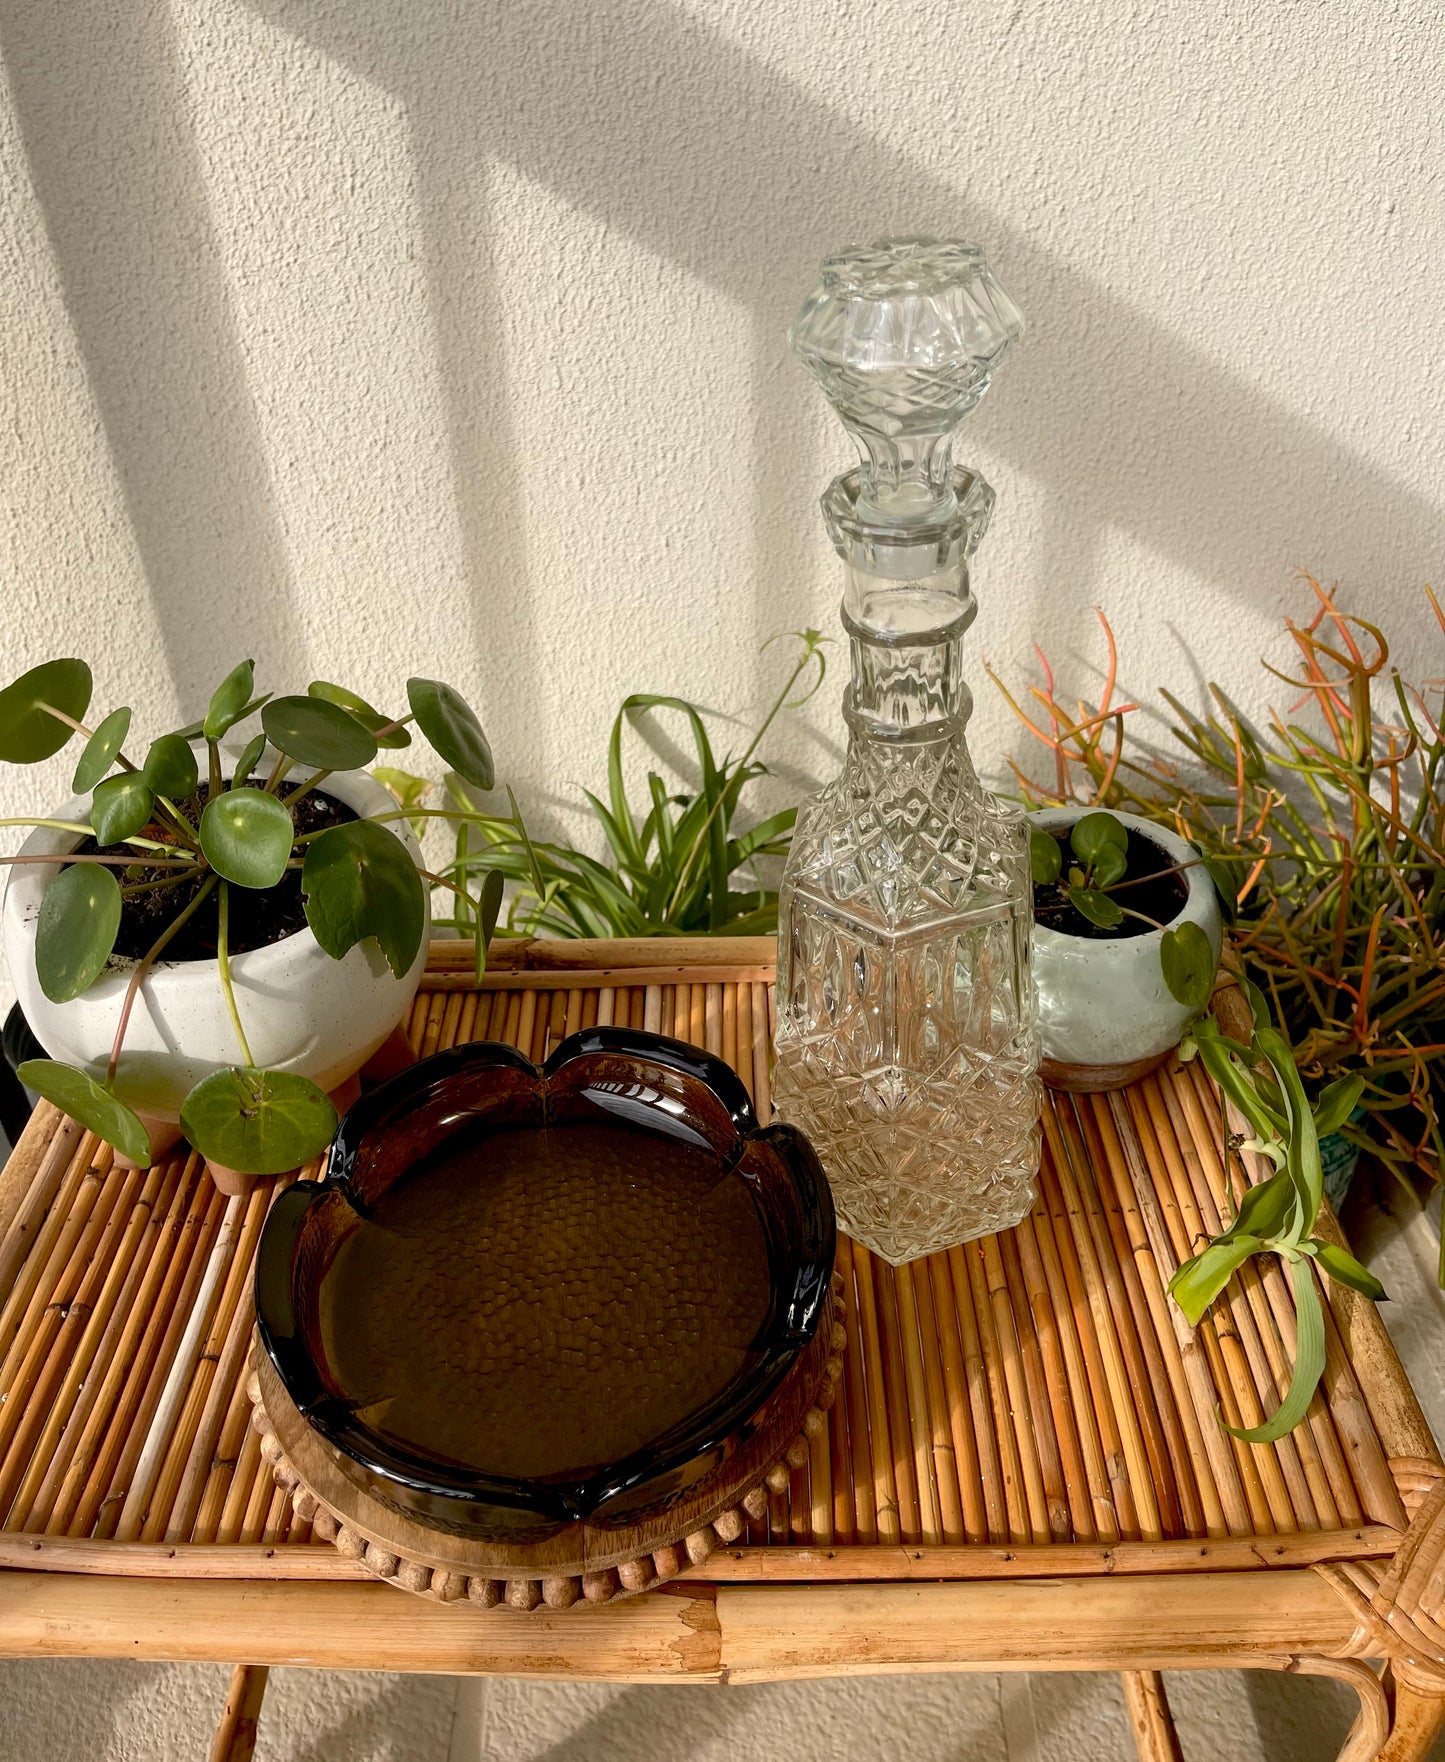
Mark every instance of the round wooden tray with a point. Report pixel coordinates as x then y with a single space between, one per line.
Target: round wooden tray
584 1560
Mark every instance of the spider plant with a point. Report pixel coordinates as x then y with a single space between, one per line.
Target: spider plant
677 864
1278 1215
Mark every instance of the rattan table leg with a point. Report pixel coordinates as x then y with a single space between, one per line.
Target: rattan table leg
235 1739
1150 1720
1418 1716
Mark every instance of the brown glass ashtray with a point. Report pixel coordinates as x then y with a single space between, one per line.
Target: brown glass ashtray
523 1298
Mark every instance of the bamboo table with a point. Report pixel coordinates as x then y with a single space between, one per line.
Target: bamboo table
1023 1468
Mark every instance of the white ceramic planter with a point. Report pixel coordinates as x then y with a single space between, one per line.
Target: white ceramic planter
302 1011
1105 1013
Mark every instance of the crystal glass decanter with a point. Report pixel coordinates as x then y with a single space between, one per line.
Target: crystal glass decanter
906 1041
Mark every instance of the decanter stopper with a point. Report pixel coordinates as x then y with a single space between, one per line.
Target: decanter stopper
904 336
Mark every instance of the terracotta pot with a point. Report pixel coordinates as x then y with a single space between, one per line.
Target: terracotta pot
1106 1016
302 1010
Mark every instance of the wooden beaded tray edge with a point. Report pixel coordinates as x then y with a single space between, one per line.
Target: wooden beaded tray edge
583 1562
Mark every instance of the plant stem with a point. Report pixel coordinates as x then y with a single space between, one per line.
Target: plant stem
278 771
451 886
391 727
288 801
223 964
144 965
54 825
151 886
69 721
214 778
131 862
179 822
80 826
1143 918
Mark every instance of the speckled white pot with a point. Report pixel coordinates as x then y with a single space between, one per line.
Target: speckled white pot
1103 1003
302 1011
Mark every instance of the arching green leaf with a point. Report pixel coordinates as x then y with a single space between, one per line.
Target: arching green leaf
1200 1280
258 1122
1187 963
170 768
230 701
489 904
1267 1209
1344 1269
1309 1363
76 929
372 720
359 881
246 836
451 726
95 1108
248 761
315 732
100 751
120 807
29 733
1046 856
1337 1101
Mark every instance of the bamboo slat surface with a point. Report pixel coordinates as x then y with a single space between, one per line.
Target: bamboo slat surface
1030 1403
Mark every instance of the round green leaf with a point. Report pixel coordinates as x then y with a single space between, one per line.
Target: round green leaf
230 701
258 1122
451 726
100 751
29 733
120 807
76 929
315 732
359 881
93 1107
246 836
1096 833
1046 856
1187 963
370 719
170 768
248 761
1098 908
1109 866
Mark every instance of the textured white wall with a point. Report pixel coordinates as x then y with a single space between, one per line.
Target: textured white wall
372 336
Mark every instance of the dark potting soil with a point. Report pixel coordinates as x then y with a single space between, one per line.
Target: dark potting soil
1155 894
257 917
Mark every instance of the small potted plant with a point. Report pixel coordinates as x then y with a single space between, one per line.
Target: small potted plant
213 940
1126 942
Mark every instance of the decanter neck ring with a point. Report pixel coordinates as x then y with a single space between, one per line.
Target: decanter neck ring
908 686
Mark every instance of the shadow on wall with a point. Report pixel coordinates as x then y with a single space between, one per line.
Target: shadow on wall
678 138
118 179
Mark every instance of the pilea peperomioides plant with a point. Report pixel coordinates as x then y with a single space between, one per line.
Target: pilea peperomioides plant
183 843
1097 886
